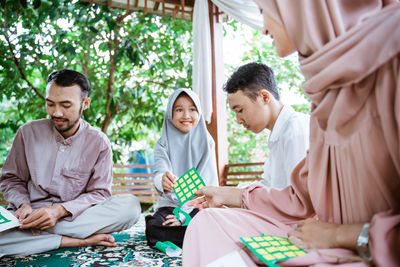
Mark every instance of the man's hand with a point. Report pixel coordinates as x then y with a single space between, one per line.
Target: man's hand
44 218
23 211
168 180
216 197
312 233
171 221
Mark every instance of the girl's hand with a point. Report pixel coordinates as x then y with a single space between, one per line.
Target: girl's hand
171 220
168 180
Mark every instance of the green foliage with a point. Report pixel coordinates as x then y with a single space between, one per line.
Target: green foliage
132 63
287 71
305 108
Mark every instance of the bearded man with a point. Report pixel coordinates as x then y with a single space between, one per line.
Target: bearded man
57 177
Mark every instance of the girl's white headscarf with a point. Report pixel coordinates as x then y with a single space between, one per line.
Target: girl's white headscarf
177 152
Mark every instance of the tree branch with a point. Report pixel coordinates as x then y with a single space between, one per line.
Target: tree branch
165 84
110 83
5 57
14 58
113 46
85 64
121 18
123 111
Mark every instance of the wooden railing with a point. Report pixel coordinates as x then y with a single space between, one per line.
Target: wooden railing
235 174
139 184
142 184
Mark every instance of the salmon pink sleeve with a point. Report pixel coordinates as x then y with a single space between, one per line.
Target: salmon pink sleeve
287 205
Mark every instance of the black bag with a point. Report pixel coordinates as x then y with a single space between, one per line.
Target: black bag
155 231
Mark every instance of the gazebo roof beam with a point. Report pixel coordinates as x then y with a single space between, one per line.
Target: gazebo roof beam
170 8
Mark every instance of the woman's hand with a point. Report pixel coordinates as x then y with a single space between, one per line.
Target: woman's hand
168 180
171 220
312 233
216 197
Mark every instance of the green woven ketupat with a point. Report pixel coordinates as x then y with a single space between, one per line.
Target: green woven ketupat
187 185
270 248
185 188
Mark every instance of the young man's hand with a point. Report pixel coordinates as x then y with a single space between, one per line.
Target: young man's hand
23 211
44 218
168 180
216 197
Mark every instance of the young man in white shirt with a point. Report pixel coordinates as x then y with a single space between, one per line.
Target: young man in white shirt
254 97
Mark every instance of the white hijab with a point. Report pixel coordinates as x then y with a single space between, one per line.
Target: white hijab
177 152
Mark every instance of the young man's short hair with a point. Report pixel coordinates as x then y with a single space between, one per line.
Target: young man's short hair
251 78
66 77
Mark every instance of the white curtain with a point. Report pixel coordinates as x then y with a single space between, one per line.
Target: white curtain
202 70
245 11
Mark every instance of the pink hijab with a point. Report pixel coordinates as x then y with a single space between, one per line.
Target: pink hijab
312 24
349 54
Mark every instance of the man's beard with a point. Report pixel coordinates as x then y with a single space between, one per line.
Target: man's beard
69 125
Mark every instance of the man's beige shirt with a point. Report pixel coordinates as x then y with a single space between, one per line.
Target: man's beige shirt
44 169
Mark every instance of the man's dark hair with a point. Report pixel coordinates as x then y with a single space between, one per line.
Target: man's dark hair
66 77
251 78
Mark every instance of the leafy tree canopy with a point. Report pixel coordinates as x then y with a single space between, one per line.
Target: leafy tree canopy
133 62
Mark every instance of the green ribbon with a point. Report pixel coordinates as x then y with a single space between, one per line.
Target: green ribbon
177 211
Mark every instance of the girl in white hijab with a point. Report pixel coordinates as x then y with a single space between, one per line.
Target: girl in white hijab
184 143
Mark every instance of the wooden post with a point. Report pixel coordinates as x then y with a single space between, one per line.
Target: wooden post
218 127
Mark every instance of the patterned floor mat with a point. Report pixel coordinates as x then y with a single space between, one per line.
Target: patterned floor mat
132 250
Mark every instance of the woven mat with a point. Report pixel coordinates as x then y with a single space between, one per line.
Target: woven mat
132 250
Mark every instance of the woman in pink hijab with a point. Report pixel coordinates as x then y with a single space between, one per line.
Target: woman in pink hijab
344 201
